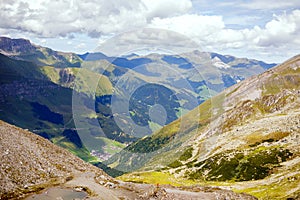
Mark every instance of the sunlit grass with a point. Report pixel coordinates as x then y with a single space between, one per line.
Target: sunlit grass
264 191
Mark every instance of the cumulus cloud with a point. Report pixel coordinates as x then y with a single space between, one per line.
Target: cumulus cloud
48 18
283 29
211 32
148 40
190 24
104 19
166 8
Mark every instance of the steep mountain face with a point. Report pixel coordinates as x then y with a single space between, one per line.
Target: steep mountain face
248 132
38 97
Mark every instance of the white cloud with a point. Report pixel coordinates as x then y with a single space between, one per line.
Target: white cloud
81 45
283 29
207 30
104 19
165 8
148 39
190 24
59 18
211 32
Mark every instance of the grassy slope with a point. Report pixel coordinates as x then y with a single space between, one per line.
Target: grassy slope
45 56
84 80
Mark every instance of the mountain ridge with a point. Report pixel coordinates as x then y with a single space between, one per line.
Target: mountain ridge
23 49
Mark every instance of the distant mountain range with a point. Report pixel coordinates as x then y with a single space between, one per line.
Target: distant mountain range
38 86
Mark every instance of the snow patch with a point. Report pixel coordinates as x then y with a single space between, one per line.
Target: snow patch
219 64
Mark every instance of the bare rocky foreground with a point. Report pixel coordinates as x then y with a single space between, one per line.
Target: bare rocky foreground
30 165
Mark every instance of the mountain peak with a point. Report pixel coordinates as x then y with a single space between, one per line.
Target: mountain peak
23 49
10 46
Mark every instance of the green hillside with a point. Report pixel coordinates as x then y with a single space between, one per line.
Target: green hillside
40 99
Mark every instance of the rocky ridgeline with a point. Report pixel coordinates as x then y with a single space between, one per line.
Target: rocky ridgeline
15 46
22 49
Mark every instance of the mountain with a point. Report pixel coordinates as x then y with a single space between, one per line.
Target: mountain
40 99
22 49
190 79
34 167
197 72
96 104
247 135
93 56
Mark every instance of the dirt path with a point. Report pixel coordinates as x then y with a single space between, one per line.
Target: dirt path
181 194
117 190
87 180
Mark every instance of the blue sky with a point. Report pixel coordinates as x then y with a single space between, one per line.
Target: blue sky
263 29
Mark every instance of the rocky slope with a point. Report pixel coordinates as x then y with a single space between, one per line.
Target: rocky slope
248 132
31 165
